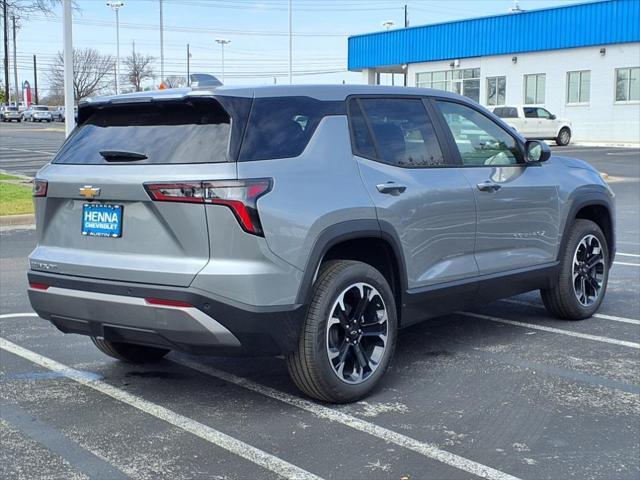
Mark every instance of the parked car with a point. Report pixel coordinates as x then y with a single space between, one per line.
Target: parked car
10 113
306 221
536 122
37 113
57 114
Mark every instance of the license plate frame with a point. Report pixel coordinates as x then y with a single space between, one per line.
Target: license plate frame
102 220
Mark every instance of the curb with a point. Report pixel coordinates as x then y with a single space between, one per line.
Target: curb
13 220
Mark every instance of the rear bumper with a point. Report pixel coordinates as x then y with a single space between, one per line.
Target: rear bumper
117 311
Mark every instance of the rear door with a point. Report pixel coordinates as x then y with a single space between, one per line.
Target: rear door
518 207
406 172
98 220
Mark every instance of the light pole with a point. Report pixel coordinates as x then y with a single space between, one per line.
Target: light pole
222 42
290 42
115 6
161 42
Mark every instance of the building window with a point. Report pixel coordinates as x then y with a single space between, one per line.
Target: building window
578 86
534 89
628 84
496 90
465 82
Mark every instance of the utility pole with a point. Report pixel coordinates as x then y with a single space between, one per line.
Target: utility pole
35 79
406 17
188 66
6 50
15 62
290 43
69 116
161 43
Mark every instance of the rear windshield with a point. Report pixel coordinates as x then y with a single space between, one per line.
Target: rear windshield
12 109
41 109
166 133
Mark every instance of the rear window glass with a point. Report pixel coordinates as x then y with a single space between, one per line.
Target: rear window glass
195 132
506 112
12 109
41 109
281 127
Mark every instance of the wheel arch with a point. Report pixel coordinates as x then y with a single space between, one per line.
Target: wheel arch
369 241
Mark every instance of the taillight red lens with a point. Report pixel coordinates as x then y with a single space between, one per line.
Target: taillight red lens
38 286
167 303
241 196
40 188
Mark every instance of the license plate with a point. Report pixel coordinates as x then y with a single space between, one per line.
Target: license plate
100 220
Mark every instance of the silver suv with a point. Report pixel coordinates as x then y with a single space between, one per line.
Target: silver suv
307 221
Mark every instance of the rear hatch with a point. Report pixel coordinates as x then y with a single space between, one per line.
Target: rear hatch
97 218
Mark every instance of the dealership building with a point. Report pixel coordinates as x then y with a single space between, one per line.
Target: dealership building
580 62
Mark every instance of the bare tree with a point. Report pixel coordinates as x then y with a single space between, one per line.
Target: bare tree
175 81
92 73
139 69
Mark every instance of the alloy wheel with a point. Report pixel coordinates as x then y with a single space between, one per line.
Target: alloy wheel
588 270
357 331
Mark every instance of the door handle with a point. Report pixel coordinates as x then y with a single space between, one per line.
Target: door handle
489 186
391 188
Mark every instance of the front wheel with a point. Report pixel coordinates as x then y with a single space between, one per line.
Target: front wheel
129 352
349 334
584 272
564 137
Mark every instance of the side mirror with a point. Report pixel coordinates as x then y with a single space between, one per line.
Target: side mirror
552 117
537 151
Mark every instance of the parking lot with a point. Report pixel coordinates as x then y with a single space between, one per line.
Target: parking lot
500 392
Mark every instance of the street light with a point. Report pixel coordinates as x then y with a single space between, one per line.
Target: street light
222 42
115 6
388 24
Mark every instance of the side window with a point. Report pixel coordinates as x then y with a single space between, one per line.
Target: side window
479 140
403 132
513 113
530 112
542 113
362 141
281 127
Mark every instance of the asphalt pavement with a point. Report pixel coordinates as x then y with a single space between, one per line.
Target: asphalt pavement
500 392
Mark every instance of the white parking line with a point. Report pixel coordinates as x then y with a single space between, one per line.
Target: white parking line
27 150
586 336
631 321
628 255
627 264
233 445
428 450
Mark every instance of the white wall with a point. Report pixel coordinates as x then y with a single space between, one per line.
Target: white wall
602 120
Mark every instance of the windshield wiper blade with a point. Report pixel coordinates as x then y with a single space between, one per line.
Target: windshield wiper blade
122 156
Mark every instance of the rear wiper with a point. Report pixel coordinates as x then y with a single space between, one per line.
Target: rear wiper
122 156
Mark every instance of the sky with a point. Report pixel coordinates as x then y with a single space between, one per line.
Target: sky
257 29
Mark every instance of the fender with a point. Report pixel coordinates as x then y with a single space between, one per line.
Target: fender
586 198
350 230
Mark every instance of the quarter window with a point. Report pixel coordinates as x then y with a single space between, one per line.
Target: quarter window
496 90
479 140
362 141
534 86
578 86
628 84
464 82
403 133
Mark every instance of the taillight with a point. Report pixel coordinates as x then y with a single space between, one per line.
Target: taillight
39 188
167 303
38 286
241 196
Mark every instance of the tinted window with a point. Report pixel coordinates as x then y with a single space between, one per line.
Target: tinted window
281 127
362 141
506 112
479 140
530 112
403 132
41 109
166 132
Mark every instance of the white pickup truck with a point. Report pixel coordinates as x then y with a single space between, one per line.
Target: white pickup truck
536 122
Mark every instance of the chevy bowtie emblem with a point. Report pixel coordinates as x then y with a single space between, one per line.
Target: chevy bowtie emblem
89 192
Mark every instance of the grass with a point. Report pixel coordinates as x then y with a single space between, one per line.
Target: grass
15 198
4 176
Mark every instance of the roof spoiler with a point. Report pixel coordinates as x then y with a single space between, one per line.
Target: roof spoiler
200 81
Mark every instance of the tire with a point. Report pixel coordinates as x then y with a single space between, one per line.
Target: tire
571 299
310 366
129 352
564 137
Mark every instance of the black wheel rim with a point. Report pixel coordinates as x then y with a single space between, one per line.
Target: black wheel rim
357 331
588 270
